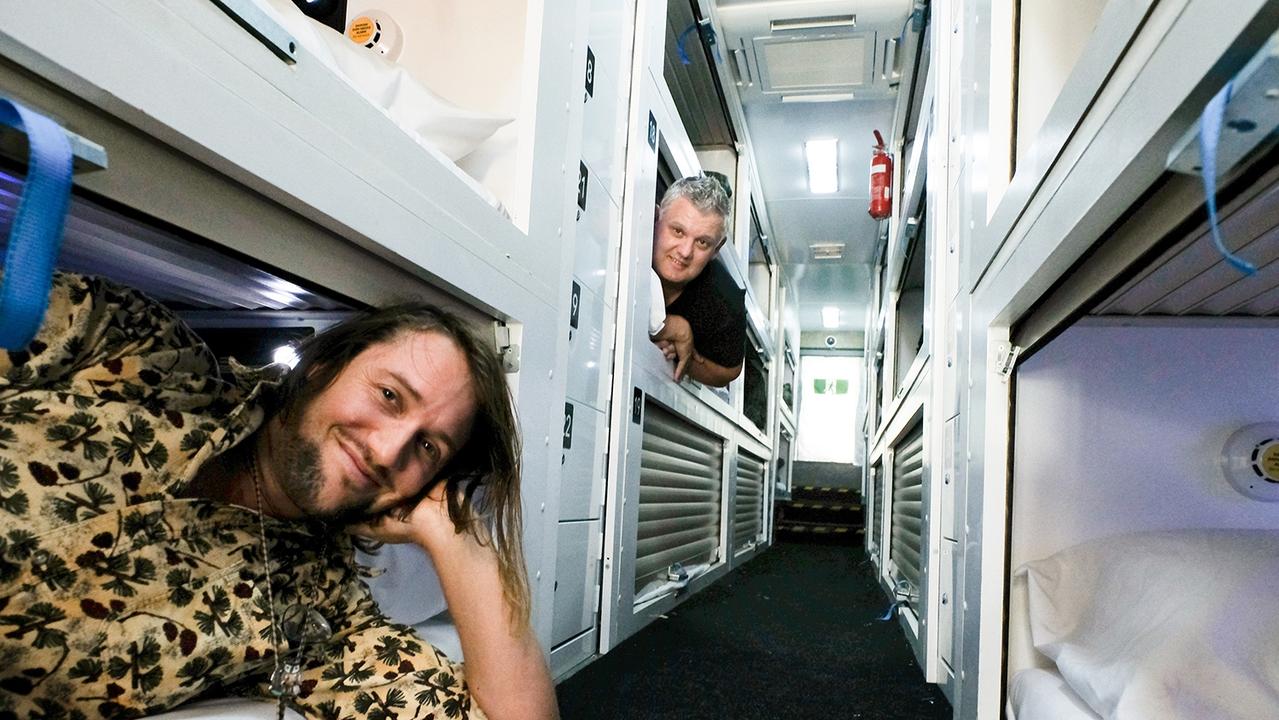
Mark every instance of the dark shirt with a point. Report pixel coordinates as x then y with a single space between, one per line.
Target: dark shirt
715 308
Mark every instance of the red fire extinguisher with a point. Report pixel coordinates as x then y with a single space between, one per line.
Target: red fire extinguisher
881 181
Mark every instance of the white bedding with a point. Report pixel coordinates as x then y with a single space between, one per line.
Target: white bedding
1039 694
441 128
1174 625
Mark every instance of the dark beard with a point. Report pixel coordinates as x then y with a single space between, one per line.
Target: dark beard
301 480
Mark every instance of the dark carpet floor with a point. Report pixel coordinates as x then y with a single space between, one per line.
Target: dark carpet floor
792 634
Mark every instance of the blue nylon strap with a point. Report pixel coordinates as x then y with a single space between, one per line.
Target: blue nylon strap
679 44
36 233
889 615
683 37
1209 133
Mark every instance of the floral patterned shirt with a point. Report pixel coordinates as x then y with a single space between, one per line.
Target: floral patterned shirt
119 597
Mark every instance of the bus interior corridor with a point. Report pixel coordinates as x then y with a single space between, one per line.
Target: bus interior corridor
793 112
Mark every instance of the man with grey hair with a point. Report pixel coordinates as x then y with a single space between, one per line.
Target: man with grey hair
705 327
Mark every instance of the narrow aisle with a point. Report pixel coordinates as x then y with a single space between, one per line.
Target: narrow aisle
793 634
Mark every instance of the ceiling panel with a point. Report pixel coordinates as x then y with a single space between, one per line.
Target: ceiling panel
801 222
845 286
799 218
777 130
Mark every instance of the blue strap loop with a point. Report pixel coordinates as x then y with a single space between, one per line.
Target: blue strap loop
1209 133
36 233
710 39
889 615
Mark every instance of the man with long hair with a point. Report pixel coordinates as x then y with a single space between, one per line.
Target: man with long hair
170 534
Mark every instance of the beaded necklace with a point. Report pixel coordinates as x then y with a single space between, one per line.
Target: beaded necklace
301 625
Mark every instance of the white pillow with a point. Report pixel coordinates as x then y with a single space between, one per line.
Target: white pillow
1167 625
452 130
1039 694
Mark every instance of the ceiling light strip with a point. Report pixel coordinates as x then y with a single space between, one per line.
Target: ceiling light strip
813 23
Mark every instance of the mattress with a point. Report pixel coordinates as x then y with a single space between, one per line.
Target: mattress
1042 694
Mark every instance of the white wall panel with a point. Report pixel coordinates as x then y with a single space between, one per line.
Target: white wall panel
602 144
1120 429
595 254
948 483
582 472
588 351
576 570
1052 36
946 609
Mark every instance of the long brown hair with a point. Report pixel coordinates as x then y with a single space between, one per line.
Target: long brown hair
490 459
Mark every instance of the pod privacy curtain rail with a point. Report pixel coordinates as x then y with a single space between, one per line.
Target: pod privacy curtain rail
36 233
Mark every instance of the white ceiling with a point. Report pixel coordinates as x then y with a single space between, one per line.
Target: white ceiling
777 131
799 218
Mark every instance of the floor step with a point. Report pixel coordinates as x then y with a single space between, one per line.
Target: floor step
828 505
813 528
814 493
819 533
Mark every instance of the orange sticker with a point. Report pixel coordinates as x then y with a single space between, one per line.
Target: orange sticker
361 29
1269 462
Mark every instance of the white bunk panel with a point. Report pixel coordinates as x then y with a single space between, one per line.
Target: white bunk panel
582 465
157 183
605 94
576 578
643 378
588 331
296 133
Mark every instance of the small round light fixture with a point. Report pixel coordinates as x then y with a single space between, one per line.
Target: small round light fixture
285 355
1250 461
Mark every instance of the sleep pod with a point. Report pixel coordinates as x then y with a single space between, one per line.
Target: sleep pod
1144 470
1107 355
239 169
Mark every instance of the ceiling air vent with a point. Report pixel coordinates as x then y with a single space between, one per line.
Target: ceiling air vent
810 64
826 251
813 23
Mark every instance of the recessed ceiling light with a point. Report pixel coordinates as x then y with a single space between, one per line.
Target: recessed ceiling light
817 97
823 166
830 317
